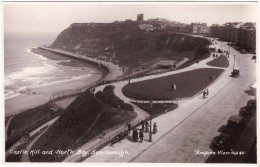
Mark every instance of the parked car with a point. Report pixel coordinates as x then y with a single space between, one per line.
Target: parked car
251 104
248 109
223 142
235 125
235 73
245 112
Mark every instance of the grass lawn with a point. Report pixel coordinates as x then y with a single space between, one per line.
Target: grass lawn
221 61
187 84
156 109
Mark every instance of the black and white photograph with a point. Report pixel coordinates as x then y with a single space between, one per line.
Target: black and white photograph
129 82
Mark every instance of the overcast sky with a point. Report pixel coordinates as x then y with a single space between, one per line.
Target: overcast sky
55 17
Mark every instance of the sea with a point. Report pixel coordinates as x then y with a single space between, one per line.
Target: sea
25 71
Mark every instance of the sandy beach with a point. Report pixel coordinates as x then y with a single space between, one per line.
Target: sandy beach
86 75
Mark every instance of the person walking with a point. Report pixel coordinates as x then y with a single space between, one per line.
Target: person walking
147 126
172 87
128 127
142 123
154 128
141 135
207 92
135 135
204 94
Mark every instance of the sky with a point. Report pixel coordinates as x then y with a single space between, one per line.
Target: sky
53 17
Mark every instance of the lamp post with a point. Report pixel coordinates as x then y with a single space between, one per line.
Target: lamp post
129 75
234 62
150 133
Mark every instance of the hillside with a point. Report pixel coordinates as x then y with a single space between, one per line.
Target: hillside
84 119
127 45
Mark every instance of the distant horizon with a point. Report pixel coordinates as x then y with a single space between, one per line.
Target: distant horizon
42 17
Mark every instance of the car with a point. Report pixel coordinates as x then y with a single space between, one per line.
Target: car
235 126
249 108
245 111
251 104
235 73
223 142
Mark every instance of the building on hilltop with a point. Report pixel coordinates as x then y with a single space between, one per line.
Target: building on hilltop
158 23
146 27
198 28
140 18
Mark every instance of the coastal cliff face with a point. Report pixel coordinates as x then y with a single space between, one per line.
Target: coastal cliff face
127 45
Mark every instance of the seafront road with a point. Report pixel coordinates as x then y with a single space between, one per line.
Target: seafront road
192 126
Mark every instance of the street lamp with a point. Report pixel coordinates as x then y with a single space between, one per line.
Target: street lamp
234 62
129 75
150 134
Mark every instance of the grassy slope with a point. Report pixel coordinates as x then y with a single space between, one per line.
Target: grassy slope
74 123
220 61
24 120
187 83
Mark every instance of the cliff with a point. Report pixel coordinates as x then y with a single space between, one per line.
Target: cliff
127 45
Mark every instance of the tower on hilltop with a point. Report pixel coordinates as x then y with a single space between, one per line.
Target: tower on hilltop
140 17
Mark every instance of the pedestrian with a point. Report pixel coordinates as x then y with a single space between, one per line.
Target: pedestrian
141 135
128 127
154 128
172 87
135 135
147 126
207 92
210 78
204 94
142 123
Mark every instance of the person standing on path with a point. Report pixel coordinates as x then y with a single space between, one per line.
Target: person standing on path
142 123
204 94
146 126
128 127
135 135
141 135
154 128
207 92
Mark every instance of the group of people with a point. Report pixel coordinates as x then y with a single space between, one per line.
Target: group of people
205 93
25 137
136 135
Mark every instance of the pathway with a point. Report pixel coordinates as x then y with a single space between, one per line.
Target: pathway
18 143
7 126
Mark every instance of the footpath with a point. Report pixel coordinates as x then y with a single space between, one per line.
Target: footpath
188 128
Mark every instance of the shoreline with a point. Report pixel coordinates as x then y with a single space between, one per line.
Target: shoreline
41 95
91 64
